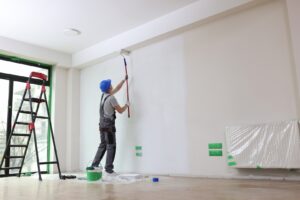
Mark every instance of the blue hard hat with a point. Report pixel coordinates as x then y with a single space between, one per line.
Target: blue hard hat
105 85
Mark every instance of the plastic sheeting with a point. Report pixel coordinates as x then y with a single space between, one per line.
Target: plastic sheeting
119 179
123 178
116 180
273 145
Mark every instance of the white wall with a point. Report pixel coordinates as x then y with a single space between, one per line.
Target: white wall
187 88
65 117
239 71
59 113
72 120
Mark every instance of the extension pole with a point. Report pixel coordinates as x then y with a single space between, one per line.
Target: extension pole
125 64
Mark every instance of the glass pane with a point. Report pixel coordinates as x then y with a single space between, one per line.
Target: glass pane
41 127
19 69
4 85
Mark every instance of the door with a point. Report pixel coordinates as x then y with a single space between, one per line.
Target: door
4 91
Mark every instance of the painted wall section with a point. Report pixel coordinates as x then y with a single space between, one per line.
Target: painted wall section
240 72
72 120
186 89
59 114
157 110
65 117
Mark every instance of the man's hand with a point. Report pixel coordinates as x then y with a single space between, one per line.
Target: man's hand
120 109
119 86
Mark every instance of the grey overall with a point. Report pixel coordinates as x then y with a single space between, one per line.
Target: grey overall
108 139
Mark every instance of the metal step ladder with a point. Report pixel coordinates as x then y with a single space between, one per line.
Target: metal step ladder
31 127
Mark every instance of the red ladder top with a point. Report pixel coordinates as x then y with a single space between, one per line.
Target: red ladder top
38 75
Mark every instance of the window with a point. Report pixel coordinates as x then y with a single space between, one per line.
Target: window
14 73
18 69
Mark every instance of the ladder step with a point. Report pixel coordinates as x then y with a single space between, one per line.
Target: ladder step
42 117
18 145
35 100
5 168
21 134
27 112
14 156
46 163
23 123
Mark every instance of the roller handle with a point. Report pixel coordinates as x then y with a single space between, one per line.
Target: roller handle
127 90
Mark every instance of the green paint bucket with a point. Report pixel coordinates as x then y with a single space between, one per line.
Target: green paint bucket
93 174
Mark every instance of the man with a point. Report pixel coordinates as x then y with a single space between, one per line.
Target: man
108 108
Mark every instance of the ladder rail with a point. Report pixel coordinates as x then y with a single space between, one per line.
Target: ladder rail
52 136
34 136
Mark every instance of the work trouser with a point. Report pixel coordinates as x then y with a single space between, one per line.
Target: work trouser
108 143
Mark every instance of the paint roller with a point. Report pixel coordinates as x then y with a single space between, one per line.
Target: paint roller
124 53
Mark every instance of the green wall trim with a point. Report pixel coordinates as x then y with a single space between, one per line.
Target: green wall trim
49 131
215 146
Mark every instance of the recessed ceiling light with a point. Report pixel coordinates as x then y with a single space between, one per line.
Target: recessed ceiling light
71 32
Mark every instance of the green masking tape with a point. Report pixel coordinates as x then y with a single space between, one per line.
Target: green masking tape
138 147
215 146
215 153
27 174
231 164
139 154
258 167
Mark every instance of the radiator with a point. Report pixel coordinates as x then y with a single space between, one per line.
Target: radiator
272 145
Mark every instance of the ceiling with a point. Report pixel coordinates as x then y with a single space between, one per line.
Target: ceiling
42 22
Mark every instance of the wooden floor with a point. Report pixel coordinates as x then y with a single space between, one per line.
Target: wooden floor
168 188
